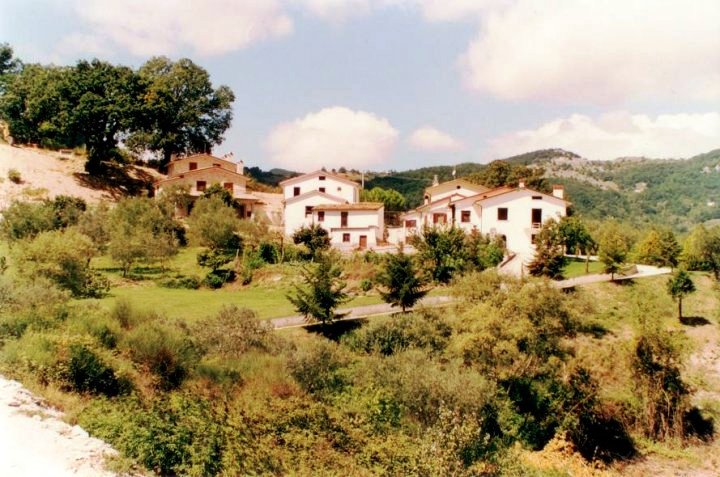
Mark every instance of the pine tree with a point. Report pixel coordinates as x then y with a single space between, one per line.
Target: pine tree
322 292
549 258
613 248
401 281
679 285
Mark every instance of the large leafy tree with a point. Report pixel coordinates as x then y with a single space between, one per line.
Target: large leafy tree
680 285
314 237
392 199
181 111
214 225
441 251
322 291
401 283
701 250
102 104
614 246
658 247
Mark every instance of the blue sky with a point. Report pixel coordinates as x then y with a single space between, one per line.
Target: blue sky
397 84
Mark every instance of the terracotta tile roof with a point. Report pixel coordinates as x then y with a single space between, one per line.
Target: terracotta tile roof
357 206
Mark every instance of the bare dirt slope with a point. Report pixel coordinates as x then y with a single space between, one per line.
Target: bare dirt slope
48 174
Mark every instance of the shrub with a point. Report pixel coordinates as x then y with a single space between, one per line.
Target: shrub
234 331
15 176
269 252
181 281
366 284
400 333
87 373
217 278
320 370
25 220
166 352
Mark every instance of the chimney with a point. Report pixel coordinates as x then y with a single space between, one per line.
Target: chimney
521 183
558 191
240 167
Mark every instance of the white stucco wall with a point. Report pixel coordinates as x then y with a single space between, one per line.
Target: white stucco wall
332 187
181 165
517 228
295 211
336 238
371 221
210 176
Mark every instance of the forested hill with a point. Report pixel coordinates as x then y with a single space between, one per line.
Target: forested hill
673 192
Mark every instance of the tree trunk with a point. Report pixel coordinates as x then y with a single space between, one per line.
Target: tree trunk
679 308
587 263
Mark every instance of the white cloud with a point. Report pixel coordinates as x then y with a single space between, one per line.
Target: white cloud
618 134
336 10
153 27
428 138
332 137
597 51
457 10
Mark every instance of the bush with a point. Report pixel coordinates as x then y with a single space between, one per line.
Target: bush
234 331
87 373
269 252
14 176
166 352
400 333
181 281
217 278
320 370
25 220
366 284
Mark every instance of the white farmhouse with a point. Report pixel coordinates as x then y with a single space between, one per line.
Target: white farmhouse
332 202
513 213
198 172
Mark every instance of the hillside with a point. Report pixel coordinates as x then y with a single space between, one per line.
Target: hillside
47 173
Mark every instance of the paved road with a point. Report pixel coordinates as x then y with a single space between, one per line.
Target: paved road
643 271
359 312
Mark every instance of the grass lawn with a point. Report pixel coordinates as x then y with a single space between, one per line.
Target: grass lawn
576 268
197 304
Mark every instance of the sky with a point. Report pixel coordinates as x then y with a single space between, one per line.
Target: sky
400 84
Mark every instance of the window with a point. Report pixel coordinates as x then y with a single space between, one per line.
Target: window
308 210
411 224
533 239
339 189
322 189
465 216
296 191
322 178
216 165
439 218
346 237
228 186
537 216
321 216
537 197
200 186
457 187
343 219
502 213
193 166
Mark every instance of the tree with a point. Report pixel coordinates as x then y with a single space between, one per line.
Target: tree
483 251
8 62
549 258
63 257
181 111
659 248
322 292
23 220
441 251
502 173
613 247
140 231
701 250
577 238
403 286
314 237
392 199
214 225
678 286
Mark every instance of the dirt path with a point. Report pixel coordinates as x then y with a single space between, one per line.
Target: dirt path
34 441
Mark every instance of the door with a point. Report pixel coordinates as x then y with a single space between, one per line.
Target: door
363 241
343 219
